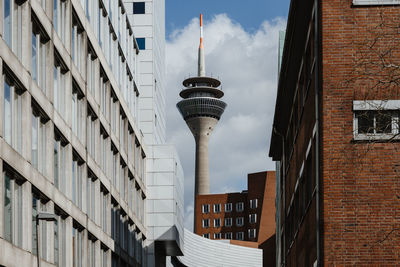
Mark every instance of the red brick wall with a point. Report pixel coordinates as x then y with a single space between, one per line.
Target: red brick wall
361 181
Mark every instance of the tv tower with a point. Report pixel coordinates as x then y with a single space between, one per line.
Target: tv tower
201 108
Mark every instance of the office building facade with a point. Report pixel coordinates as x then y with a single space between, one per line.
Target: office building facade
70 140
335 135
246 218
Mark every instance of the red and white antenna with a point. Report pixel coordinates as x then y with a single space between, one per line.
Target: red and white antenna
201 61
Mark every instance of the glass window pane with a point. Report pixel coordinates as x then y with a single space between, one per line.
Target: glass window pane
7 208
7 126
34 57
35 142
383 122
7 22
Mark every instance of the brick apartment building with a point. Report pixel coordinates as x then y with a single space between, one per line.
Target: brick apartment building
335 135
247 218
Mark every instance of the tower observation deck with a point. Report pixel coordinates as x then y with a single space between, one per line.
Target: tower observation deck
201 108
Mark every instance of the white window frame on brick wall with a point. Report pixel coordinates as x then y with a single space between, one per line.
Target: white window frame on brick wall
239 221
253 203
217 208
228 207
376 107
217 235
205 208
206 235
240 206
217 222
375 2
240 236
228 235
252 233
253 218
228 222
205 223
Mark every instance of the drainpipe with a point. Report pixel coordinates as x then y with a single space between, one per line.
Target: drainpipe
317 134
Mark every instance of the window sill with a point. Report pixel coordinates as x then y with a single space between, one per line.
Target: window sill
375 2
376 137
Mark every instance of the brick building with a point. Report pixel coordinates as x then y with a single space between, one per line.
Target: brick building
247 218
335 135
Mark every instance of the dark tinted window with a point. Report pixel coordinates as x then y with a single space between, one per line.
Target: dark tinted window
138 8
141 43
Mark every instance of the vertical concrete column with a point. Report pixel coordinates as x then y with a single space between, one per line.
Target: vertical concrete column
68 241
26 216
26 35
26 126
202 173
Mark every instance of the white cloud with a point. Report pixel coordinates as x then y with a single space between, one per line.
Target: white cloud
246 63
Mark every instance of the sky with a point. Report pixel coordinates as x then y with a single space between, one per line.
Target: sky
241 49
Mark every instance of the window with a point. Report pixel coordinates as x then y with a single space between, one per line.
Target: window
103 258
114 111
141 42
12 112
253 203
12 208
139 8
103 209
217 208
39 140
77 42
12 26
91 70
217 222
252 218
92 253
59 18
122 178
60 156
205 208
39 205
239 206
217 235
122 129
228 235
375 119
228 222
91 132
376 2
228 207
60 244
206 223
91 195
114 170
77 111
240 236
77 173
59 91
206 235
239 221
39 40
104 98
252 233
103 150
77 247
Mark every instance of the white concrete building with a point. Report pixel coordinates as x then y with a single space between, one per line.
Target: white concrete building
165 176
70 144
147 18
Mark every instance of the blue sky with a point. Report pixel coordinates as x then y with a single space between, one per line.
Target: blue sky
250 13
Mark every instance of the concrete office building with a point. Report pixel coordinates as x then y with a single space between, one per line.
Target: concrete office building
148 23
70 144
164 172
335 135
201 108
246 218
